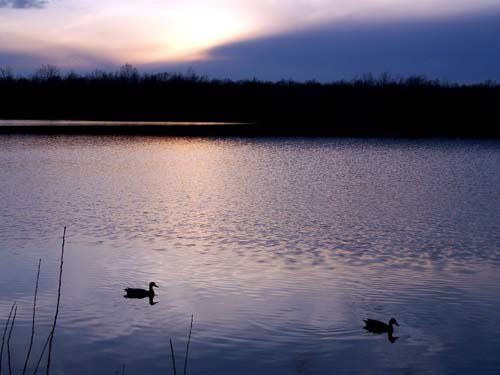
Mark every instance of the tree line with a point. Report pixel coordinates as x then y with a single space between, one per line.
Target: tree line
365 105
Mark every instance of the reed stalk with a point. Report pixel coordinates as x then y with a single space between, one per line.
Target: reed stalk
5 334
41 355
187 347
33 322
58 302
8 339
173 356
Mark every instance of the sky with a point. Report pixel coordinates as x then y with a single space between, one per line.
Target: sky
455 40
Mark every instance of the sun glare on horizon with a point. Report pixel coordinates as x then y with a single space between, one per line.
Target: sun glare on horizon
194 29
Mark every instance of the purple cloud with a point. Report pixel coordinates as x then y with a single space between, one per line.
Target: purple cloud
22 4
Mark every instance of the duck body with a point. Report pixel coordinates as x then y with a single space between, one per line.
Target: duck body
141 293
376 326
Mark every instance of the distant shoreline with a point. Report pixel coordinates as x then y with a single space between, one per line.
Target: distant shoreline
164 104
84 123
87 127
214 129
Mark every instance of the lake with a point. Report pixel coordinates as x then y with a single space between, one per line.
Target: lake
279 248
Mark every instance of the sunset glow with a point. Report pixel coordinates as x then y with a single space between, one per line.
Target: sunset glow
87 33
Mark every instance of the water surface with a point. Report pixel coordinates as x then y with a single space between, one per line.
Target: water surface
279 247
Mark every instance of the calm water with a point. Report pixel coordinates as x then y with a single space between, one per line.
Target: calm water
278 247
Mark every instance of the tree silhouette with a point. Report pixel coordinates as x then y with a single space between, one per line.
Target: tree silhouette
364 106
129 73
47 73
6 72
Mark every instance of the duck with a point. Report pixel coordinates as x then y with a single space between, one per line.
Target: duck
141 293
376 326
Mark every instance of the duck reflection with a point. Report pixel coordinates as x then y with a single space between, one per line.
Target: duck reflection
378 327
136 293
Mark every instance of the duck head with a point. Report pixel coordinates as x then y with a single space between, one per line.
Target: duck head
393 321
153 284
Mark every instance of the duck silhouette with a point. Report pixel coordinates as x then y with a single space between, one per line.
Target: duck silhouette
378 327
141 293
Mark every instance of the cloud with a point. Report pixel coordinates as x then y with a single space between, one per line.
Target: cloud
25 63
463 49
22 4
272 39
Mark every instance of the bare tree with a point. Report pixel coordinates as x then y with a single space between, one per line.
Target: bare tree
47 72
98 74
385 79
367 79
6 72
129 72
